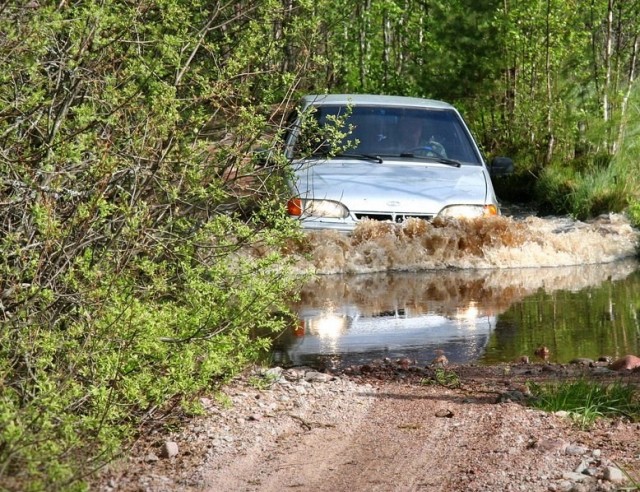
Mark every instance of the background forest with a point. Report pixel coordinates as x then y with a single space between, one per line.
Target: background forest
128 185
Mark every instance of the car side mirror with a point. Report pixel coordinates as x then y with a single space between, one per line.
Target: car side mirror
501 166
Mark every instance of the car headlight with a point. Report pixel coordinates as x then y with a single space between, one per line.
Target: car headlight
469 211
317 208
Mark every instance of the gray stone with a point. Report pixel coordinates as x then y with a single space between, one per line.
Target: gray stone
581 361
296 373
576 450
317 377
444 413
513 395
169 449
151 458
274 373
580 487
574 477
614 474
562 486
582 467
551 445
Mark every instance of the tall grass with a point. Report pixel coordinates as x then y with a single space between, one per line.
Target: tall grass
584 194
587 401
628 157
627 160
599 183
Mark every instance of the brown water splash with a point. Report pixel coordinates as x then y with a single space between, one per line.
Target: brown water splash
496 242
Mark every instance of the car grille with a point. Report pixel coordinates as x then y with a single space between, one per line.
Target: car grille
392 217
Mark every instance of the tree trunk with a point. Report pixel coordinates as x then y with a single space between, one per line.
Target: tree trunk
386 49
363 52
607 63
550 136
632 77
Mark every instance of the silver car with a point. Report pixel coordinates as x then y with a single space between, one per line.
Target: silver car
385 158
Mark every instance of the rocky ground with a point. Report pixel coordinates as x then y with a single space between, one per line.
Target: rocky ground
390 425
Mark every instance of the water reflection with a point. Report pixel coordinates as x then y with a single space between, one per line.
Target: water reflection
469 315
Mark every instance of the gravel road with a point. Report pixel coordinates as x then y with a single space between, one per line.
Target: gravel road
383 427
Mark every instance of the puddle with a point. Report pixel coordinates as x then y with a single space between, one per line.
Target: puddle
481 316
484 316
486 291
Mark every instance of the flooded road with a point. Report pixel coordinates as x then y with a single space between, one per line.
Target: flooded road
486 292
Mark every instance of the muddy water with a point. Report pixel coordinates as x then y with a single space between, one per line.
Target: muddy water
484 291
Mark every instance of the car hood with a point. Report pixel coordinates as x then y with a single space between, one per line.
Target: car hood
393 185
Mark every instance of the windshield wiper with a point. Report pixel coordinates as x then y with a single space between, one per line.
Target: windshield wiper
364 157
441 160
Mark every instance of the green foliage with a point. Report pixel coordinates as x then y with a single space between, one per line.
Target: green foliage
562 190
324 138
443 377
634 481
627 159
139 241
223 400
554 189
262 381
587 401
597 183
76 390
634 213
547 83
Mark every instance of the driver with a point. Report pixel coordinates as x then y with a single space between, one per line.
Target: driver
412 138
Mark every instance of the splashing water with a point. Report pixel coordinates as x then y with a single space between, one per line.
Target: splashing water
497 242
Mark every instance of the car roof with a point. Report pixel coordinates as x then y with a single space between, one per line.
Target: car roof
372 100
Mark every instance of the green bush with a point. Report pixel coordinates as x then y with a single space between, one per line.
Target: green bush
75 389
634 213
554 189
136 226
138 239
561 190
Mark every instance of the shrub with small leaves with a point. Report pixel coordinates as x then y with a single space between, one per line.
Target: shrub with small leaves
139 238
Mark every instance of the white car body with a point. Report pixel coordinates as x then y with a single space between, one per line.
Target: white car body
380 180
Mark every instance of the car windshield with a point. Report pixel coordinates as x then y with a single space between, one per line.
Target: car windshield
384 132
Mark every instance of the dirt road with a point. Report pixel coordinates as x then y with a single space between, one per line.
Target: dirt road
387 428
